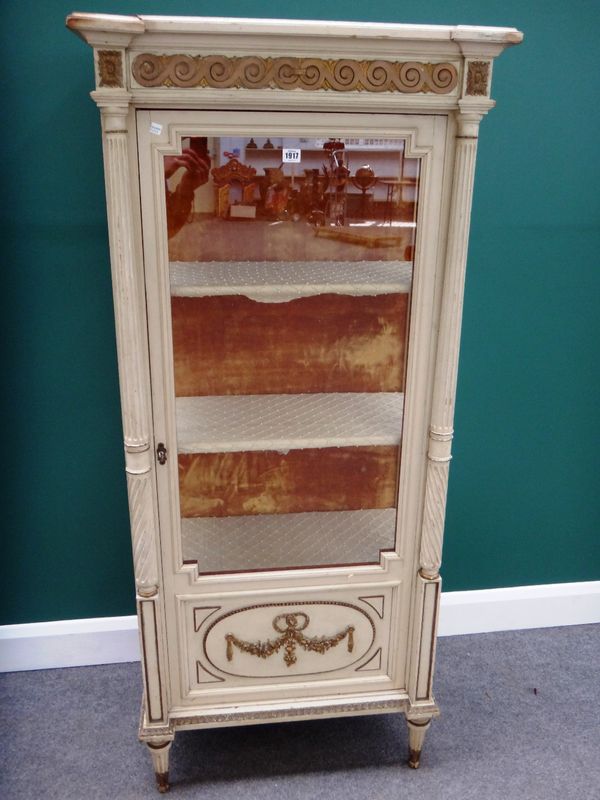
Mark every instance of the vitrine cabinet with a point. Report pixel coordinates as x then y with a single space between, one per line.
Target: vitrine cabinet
288 209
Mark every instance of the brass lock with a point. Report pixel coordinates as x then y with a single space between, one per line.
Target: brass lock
161 453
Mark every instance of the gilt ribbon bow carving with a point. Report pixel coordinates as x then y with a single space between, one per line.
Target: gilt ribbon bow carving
290 626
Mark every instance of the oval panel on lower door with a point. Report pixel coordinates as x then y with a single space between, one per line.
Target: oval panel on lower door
289 639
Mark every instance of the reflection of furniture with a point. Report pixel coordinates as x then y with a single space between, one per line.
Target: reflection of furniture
394 198
285 567
373 237
226 178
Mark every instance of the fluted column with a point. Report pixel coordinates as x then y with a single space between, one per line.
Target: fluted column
442 415
133 365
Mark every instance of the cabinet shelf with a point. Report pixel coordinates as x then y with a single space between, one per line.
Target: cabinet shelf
240 423
280 281
277 541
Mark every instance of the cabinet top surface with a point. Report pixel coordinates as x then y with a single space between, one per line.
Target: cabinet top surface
87 24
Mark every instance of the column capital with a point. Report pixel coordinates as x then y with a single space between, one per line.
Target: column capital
471 112
468 125
114 108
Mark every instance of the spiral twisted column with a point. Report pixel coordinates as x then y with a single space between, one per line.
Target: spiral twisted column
442 416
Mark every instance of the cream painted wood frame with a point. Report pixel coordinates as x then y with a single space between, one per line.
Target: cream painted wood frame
429 85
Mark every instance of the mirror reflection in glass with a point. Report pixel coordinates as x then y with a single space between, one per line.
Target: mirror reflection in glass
291 264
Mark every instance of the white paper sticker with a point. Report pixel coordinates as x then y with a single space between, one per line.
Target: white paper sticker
292 155
156 128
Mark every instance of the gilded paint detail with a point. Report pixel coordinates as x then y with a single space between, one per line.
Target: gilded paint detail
373 706
253 72
110 68
290 626
477 78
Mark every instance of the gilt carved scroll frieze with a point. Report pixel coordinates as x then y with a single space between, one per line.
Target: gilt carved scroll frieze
254 72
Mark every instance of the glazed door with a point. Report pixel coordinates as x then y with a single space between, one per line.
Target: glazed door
290 267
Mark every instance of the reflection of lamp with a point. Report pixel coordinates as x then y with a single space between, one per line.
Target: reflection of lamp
364 179
337 174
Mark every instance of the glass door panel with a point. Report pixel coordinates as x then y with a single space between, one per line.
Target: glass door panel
291 266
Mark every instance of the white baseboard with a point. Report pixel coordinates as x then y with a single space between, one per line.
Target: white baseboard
519 607
111 640
69 643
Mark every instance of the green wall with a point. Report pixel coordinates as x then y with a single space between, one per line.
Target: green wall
523 505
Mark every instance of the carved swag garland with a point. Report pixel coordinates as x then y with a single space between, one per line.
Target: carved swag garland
291 637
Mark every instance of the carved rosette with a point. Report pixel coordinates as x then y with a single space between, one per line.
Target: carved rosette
110 69
254 72
478 73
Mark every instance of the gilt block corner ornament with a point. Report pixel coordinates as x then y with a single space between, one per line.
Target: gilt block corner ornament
254 72
477 78
110 69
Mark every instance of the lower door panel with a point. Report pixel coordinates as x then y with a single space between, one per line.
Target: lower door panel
263 645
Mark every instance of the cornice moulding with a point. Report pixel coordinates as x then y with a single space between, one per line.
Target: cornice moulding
105 29
107 23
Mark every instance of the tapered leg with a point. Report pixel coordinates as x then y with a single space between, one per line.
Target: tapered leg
417 728
159 750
